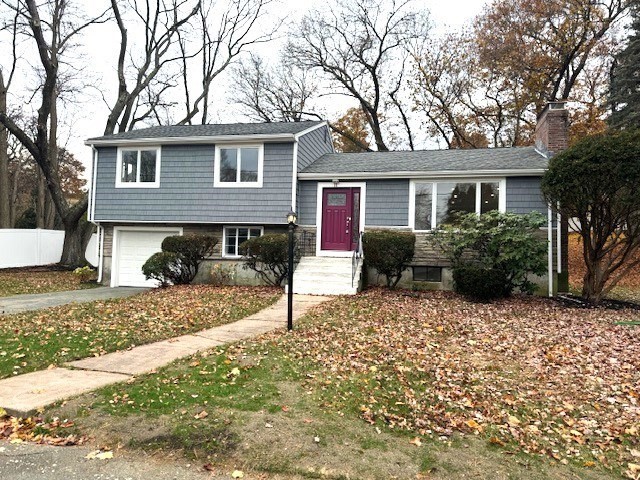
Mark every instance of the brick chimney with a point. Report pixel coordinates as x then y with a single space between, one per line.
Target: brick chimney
552 129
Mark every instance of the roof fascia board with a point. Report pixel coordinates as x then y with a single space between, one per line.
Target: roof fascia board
311 129
417 174
191 140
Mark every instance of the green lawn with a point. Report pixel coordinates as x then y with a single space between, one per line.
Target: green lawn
398 385
19 281
34 340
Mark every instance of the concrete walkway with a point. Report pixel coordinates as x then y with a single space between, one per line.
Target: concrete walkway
23 303
24 394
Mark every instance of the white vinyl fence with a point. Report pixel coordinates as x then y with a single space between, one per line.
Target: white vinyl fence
26 248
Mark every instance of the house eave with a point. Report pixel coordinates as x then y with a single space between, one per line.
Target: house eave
530 172
118 142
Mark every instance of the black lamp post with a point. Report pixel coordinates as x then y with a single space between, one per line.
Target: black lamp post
291 220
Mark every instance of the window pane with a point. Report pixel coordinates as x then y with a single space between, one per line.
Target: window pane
455 198
249 165
228 165
230 241
489 197
243 235
427 274
254 232
129 166
148 166
336 199
424 203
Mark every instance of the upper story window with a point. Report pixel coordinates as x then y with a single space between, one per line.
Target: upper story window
138 168
238 166
436 203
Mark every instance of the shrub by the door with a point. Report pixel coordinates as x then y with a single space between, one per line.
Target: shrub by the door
389 253
268 256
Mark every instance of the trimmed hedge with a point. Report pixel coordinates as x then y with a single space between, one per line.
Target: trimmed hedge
479 283
180 259
389 252
268 256
163 267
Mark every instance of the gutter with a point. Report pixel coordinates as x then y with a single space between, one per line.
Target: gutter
529 172
115 142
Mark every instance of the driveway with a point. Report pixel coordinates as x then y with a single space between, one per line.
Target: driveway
23 303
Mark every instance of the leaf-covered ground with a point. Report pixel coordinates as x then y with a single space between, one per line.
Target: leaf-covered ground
627 289
523 376
34 340
19 281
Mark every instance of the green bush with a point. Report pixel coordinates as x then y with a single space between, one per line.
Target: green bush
268 256
163 267
479 283
181 267
85 274
390 253
495 242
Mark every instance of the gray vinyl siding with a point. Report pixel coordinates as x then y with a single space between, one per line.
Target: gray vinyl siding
313 145
387 203
524 196
187 194
307 202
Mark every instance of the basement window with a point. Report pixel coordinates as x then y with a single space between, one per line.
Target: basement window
427 274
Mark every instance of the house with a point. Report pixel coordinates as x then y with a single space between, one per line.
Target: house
238 181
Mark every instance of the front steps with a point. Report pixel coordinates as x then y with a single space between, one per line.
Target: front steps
326 276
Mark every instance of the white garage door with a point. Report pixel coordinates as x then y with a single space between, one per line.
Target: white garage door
134 248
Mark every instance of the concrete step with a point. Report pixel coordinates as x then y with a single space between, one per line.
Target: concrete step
325 276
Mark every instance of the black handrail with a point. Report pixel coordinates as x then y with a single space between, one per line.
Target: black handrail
356 257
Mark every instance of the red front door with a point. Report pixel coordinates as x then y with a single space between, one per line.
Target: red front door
340 218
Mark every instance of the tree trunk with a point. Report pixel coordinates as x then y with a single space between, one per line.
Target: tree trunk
76 239
5 217
41 201
49 207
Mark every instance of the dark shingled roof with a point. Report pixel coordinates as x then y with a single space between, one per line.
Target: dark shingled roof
176 131
486 159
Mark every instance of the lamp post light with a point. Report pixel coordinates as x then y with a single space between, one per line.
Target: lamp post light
291 220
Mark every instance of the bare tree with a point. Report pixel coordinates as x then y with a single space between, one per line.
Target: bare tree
358 45
224 35
5 211
273 94
62 25
161 22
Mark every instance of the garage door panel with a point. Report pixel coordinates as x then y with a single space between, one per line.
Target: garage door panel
134 248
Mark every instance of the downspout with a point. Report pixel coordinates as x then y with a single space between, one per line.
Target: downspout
559 241
550 249
91 213
100 251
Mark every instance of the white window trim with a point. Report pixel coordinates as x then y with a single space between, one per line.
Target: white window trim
216 168
236 227
137 183
361 227
115 246
502 200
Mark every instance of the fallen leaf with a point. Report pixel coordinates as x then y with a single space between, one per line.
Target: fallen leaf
237 474
416 441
